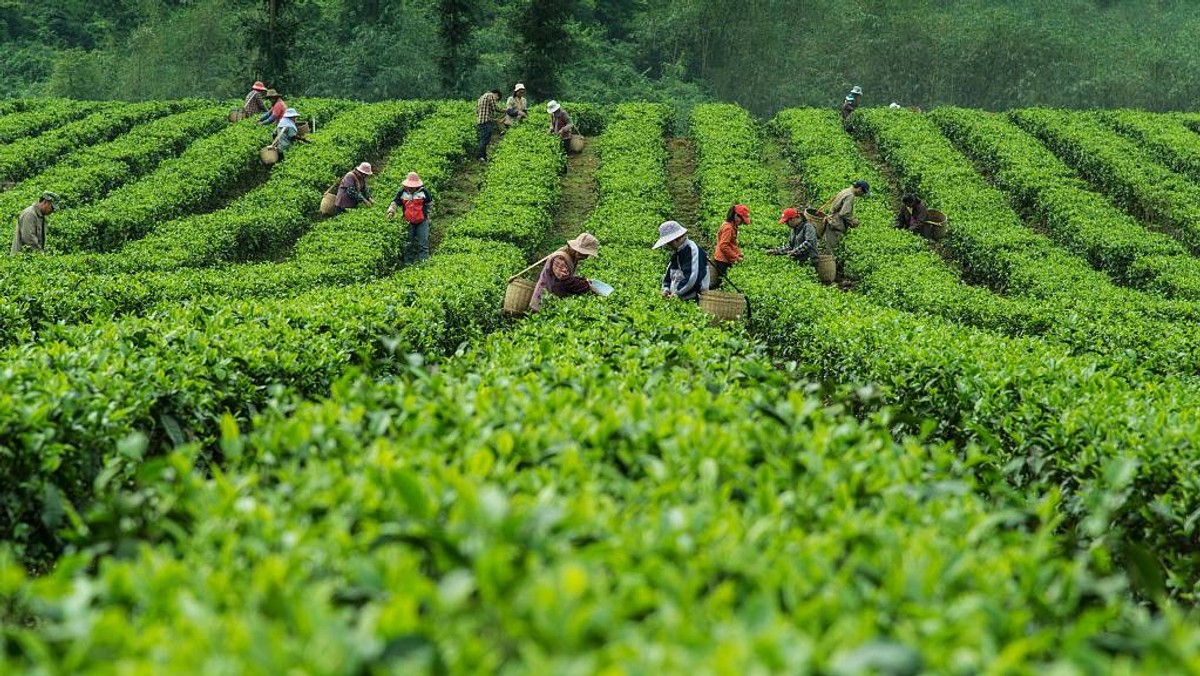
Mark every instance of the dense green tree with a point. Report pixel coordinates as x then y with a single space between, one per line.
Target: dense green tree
545 43
271 32
456 20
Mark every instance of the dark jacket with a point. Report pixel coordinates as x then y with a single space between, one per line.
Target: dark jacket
687 273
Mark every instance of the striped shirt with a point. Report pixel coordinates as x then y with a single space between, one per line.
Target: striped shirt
485 108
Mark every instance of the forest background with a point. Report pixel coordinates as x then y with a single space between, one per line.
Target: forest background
763 54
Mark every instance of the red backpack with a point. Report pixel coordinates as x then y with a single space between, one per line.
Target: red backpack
414 210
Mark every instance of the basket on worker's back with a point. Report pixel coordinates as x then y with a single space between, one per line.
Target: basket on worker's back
817 218
269 155
723 305
329 200
936 222
237 115
575 145
519 291
517 296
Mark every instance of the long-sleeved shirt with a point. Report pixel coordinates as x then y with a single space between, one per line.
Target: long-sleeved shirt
351 191
559 278
284 133
514 107
276 112
30 232
687 273
254 103
560 123
406 195
841 211
485 108
802 243
913 218
848 107
727 244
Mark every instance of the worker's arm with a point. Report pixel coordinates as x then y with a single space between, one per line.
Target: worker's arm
573 284
395 205
726 248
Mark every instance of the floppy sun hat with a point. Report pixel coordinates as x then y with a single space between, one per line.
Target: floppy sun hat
552 107
365 168
412 180
585 243
291 112
259 86
669 232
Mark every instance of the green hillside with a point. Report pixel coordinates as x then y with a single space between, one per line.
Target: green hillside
240 437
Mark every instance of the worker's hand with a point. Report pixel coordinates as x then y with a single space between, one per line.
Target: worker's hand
391 214
667 293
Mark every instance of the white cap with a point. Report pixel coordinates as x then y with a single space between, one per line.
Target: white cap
669 231
519 87
894 106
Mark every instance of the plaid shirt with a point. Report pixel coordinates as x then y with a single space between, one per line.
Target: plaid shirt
254 102
485 108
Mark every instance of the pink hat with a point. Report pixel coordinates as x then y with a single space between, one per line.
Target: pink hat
259 86
412 180
365 168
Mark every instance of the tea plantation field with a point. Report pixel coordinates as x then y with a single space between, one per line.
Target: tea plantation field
236 437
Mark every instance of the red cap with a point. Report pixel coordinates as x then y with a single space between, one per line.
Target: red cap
259 86
741 210
789 213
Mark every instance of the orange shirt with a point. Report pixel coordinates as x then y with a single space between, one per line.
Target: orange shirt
727 246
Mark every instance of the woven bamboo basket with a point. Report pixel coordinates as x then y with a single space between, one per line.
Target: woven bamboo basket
937 225
303 128
576 143
237 115
269 155
517 296
826 269
817 218
327 204
723 306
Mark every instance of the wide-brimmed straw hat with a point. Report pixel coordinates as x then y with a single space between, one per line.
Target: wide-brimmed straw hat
586 243
669 232
412 180
365 168
552 107
271 92
258 86
291 112
856 90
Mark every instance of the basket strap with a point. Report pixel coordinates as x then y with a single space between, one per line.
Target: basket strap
531 267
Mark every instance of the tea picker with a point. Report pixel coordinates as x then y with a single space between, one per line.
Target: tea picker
30 231
557 276
688 270
802 241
